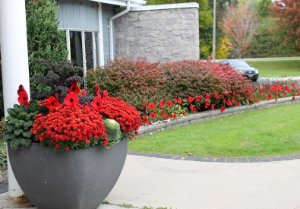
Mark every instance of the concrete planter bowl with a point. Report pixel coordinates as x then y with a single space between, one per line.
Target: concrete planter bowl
79 179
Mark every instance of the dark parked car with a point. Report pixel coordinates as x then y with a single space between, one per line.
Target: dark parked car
242 66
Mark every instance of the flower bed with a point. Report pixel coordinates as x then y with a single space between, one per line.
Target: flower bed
168 91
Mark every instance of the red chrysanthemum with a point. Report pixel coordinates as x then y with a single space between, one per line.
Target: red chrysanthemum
169 104
197 98
212 107
175 101
74 88
71 99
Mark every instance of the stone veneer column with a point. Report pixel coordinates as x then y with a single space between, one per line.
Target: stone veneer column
158 34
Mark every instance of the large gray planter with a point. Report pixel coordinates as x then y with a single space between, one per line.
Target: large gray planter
78 179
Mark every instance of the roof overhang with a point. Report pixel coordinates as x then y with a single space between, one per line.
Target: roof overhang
134 3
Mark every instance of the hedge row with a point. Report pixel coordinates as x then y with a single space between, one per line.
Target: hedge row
140 82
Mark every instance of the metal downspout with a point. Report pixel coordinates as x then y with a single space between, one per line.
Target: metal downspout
111 38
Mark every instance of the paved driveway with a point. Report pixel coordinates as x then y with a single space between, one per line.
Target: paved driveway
179 184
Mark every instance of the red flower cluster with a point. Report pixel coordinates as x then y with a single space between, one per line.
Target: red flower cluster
71 125
127 116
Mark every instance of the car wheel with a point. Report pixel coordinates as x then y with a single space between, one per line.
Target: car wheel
254 79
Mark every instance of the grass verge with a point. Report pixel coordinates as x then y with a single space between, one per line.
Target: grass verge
283 68
264 132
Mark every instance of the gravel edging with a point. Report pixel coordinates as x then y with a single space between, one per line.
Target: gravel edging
202 116
207 115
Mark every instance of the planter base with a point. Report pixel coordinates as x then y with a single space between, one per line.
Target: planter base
79 179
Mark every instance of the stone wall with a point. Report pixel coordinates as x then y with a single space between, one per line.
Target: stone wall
158 34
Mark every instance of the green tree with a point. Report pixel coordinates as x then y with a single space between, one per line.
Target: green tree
263 8
45 42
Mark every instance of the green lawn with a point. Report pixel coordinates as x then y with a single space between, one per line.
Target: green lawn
283 68
265 132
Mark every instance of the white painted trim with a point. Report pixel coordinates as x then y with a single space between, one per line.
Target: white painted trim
14 61
111 32
68 45
83 54
77 29
100 38
94 50
135 3
166 6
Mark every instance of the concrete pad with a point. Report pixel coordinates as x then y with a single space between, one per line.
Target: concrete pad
177 184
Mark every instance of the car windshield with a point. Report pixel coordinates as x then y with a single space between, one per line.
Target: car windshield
238 63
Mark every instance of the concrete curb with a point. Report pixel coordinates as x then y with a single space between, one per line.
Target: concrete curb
202 116
221 159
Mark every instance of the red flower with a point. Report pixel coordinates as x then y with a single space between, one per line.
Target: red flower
105 142
23 98
88 142
169 104
167 117
174 116
21 89
207 104
146 120
50 103
237 104
179 100
67 148
96 103
105 94
74 88
151 105
162 113
98 90
207 96
197 98
293 98
153 115
269 97
57 146
212 107
175 101
216 95
83 92
222 109
162 104
144 105
287 88
71 99
190 99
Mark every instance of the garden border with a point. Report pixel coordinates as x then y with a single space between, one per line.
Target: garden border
207 115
